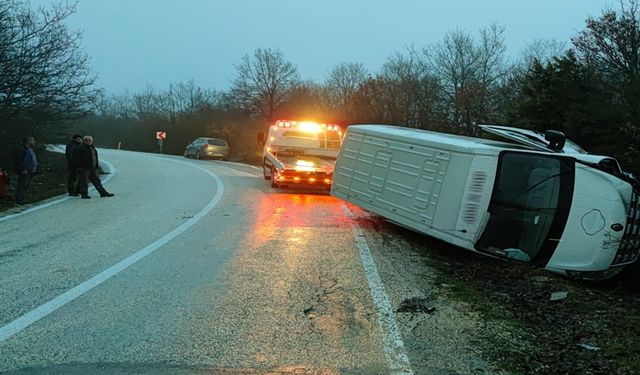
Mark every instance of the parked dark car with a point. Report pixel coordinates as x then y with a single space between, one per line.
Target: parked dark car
207 148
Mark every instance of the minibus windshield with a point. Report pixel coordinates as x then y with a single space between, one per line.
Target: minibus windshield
529 206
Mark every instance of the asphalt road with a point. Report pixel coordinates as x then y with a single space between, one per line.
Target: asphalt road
201 267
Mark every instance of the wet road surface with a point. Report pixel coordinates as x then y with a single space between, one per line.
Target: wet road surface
201 267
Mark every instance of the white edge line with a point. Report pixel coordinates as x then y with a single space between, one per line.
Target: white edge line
47 308
393 345
237 172
112 172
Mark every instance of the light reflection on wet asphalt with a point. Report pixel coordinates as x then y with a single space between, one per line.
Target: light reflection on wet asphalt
271 281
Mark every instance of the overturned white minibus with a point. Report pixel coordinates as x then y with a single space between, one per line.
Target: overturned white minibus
537 198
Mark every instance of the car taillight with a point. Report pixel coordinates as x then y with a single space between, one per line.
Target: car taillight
205 146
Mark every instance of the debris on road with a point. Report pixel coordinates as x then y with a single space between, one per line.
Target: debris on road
557 296
589 347
416 305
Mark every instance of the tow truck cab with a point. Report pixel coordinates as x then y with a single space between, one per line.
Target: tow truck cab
300 153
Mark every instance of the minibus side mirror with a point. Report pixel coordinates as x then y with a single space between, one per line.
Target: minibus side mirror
556 139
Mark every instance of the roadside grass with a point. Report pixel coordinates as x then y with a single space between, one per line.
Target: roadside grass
50 181
524 331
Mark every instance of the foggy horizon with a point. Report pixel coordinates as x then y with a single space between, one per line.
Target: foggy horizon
154 44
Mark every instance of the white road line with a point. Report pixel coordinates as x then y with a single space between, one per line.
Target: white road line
393 345
40 312
238 172
245 174
112 172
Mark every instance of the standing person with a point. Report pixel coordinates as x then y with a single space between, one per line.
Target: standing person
4 186
26 167
72 179
85 157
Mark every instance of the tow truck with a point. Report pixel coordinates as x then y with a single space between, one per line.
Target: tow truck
300 153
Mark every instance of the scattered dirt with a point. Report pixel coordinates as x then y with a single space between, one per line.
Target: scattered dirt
524 330
416 305
439 331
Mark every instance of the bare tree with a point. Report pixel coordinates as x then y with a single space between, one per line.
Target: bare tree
612 42
493 70
468 72
413 92
454 63
184 99
306 101
371 101
610 47
343 82
543 51
115 107
264 81
150 104
43 71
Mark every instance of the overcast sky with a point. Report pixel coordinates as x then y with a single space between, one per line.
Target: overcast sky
135 43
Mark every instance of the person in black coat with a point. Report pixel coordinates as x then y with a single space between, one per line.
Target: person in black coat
72 179
85 158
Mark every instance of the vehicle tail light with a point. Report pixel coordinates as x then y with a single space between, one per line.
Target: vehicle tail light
311 179
327 180
296 179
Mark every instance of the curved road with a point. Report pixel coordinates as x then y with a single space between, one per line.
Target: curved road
197 267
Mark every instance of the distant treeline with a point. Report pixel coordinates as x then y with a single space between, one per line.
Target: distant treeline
588 88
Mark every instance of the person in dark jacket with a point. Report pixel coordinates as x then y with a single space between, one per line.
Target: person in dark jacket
26 166
85 158
72 179
4 186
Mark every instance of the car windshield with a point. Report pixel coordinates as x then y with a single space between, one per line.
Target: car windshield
529 200
297 134
299 138
217 142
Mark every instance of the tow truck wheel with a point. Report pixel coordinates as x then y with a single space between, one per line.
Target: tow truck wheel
272 178
264 172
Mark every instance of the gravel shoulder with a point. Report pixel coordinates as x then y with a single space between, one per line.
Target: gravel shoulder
462 313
